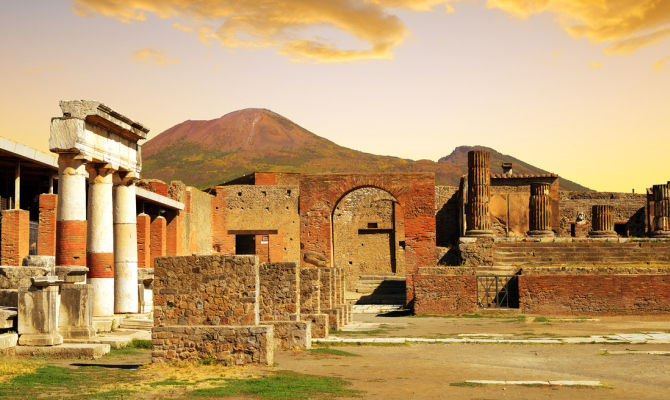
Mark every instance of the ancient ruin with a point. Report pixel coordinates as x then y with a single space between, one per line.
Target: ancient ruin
272 260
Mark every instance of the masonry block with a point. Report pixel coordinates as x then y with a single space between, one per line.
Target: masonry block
15 236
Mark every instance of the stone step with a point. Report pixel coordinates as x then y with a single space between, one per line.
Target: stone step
8 317
140 324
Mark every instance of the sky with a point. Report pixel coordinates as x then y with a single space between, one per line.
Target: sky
577 87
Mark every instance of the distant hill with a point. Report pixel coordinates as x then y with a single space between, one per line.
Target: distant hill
207 153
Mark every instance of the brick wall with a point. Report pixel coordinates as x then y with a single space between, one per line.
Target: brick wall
153 185
173 234
279 297
46 234
446 215
594 291
158 239
71 242
15 236
144 241
320 193
206 290
445 290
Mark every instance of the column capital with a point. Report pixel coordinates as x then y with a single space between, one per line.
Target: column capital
99 172
125 178
70 164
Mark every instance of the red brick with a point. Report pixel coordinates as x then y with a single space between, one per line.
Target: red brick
100 265
46 234
15 236
158 239
143 241
71 243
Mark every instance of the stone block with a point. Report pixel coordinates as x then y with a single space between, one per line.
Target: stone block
40 261
71 273
38 316
228 344
75 316
86 351
319 324
334 318
8 340
13 277
291 335
8 317
9 297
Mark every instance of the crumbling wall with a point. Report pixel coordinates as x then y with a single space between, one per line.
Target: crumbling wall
595 291
264 211
629 209
445 290
476 251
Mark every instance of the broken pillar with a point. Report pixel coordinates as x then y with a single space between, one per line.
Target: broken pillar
602 222
539 214
479 191
71 216
38 312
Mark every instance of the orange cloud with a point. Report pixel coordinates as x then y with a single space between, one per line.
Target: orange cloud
286 24
626 25
595 64
660 64
152 56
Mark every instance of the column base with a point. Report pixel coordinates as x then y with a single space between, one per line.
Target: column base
603 234
77 332
541 234
40 339
661 235
479 233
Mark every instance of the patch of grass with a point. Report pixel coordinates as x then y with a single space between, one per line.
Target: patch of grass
284 385
44 379
335 352
112 394
541 319
368 332
466 384
141 344
172 382
124 351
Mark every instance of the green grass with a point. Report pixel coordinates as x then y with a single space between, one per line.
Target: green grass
112 394
141 344
335 352
285 385
541 319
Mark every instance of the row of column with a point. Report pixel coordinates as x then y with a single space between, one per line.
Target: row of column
661 224
106 242
479 192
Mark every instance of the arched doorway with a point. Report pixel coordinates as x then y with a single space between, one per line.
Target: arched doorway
368 239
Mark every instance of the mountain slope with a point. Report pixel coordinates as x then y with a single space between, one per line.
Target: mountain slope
207 153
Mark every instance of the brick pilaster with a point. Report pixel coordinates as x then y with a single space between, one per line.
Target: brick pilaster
46 234
158 239
144 259
15 236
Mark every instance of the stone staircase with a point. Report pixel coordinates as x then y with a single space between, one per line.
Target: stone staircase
580 252
381 289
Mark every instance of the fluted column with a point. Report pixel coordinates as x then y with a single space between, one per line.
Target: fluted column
100 245
71 214
661 211
602 221
125 244
539 215
479 182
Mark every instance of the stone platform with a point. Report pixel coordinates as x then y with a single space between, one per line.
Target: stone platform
89 351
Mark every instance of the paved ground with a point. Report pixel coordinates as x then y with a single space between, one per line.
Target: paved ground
429 371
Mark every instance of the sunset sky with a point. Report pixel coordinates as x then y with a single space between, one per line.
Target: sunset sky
577 87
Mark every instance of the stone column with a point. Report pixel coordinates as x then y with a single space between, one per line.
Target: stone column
602 222
125 244
539 215
100 245
479 190
71 215
661 211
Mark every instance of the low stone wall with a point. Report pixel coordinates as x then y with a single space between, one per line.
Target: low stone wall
476 251
206 290
445 290
231 345
12 278
279 298
595 291
319 324
291 335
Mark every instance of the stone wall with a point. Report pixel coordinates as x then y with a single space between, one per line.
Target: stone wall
310 290
475 252
594 291
197 221
279 298
231 345
268 212
206 290
629 209
445 290
12 278
446 215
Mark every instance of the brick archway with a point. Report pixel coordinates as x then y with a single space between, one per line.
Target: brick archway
415 192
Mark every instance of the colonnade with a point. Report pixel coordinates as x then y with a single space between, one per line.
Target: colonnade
102 236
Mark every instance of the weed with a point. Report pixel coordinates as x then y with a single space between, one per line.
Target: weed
541 319
141 344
